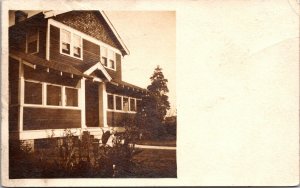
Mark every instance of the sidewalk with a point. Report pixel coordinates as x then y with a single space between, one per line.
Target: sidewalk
154 147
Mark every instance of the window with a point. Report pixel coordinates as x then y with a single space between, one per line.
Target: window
138 104
104 61
65 41
33 93
71 97
54 95
118 103
111 57
77 46
107 58
132 104
125 104
110 102
71 44
32 41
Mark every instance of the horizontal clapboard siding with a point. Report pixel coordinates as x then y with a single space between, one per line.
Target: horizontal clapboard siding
43 118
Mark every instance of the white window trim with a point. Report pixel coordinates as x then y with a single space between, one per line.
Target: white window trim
71 44
44 97
38 42
108 59
82 35
122 111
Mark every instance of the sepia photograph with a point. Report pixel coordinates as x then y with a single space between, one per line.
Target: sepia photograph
149 93
83 103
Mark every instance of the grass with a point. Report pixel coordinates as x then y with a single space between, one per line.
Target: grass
167 141
154 164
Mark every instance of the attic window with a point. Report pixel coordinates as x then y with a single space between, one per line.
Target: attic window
71 44
32 42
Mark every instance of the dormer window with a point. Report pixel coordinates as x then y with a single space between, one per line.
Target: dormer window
107 58
71 44
32 42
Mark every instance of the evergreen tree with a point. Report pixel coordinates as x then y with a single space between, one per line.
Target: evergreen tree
155 104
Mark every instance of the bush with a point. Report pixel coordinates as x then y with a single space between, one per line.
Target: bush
73 156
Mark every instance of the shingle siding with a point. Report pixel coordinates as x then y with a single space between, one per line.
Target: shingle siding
91 23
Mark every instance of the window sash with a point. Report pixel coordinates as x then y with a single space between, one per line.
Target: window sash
125 104
33 93
54 95
71 97
118 100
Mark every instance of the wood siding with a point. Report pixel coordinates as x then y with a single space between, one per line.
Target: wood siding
91 23
13 118
119 119
91 55
117 74
13 81
43 118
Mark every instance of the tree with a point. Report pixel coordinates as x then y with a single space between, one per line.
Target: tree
155 104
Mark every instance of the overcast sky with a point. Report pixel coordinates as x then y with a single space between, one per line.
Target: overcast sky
151 39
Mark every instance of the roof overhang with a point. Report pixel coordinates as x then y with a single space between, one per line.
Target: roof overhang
51 13
98 66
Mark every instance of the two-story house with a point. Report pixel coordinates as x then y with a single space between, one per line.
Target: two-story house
65 72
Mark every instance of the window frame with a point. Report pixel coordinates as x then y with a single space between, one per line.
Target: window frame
36 82
71 43
37 43
122 101
45 94
108 59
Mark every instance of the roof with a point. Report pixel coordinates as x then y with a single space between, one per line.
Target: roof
33 59
101 16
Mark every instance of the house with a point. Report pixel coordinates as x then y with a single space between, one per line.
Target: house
65 72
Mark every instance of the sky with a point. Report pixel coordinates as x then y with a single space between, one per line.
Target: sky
150 37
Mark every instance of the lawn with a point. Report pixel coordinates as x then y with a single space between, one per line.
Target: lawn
154 164
166 141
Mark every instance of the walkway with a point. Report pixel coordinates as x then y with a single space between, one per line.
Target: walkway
154 147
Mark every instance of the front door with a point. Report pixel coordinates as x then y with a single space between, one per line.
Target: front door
92 104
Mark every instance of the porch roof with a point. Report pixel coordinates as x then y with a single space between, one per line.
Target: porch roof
36 60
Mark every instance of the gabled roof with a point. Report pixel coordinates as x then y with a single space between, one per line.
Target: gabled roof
101 16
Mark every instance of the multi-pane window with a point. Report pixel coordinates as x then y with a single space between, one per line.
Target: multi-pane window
107 58
71 44
65 42
121 103
54 95
132 104
110 101
33 93
125 104
32 41
118 103
71 97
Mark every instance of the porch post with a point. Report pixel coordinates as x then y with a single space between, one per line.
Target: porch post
102 105
82 102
